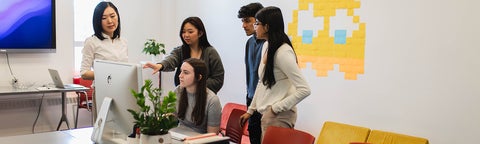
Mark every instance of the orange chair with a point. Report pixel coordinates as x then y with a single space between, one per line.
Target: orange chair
281 135
226 111
84 99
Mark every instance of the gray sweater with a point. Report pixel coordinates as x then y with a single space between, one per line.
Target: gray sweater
209 56
213 111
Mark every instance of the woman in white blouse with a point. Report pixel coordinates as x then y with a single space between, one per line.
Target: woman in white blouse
106 43
281 84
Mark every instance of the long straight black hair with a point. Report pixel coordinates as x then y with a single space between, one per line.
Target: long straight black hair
97 20
201 73
202 41
271 18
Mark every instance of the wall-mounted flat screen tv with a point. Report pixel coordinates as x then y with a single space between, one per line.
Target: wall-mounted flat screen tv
27 26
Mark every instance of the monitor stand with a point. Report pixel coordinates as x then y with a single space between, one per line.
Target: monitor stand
99 125
103 130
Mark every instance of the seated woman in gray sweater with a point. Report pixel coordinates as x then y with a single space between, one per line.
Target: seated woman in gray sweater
198 108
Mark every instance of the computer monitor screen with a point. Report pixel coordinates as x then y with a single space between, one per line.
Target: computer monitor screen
116 80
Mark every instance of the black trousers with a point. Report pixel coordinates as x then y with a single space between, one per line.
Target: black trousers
254 126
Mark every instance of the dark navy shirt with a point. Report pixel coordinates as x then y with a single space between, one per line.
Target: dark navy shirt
253 55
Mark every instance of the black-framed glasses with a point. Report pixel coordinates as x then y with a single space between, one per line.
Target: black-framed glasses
257 23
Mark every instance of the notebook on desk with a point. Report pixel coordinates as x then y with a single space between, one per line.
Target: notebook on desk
188 136
58 81
181 132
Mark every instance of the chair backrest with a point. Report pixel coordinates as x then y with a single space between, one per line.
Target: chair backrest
88 84
383 137
234 129
280 135
83 101
227 109
339 133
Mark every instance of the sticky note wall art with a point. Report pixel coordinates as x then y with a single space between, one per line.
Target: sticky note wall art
325 33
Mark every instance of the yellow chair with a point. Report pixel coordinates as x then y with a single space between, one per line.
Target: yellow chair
339 133
383 137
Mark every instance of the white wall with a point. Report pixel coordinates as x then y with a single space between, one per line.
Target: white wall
421 70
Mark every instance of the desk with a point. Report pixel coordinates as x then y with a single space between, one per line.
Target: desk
8 90
74 136
56 137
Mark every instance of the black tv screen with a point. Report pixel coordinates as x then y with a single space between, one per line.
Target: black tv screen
27 26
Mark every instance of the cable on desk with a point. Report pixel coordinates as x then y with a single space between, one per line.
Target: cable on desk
14 80
38 114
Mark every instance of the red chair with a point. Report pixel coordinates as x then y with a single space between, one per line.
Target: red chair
84 99
226 112
281 135
234 129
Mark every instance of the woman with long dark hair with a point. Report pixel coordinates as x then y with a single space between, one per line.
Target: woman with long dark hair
198 108
194 45
281 86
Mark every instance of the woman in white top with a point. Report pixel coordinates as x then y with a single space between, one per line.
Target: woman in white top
106 43
281 86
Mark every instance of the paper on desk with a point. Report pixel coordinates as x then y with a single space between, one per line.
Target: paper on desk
209 139
178 136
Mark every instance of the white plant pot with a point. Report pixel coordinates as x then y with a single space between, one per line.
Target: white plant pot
157 58
156 139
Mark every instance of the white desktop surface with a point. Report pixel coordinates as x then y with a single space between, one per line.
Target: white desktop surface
81 134
74 136
57 137
7 90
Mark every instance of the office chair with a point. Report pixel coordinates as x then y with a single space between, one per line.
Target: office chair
227 109
339 133
234 129
383 137
281 135
84 99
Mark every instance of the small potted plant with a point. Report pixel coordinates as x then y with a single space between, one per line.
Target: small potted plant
154 49
156 119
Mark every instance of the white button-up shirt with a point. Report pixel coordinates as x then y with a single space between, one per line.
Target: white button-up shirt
106 49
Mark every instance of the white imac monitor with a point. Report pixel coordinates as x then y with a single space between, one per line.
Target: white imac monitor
116 80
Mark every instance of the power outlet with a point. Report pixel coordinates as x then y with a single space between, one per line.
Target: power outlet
14 81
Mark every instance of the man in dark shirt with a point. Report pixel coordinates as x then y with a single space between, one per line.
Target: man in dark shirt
253 56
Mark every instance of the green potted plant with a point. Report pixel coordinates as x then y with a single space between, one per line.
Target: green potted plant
154 48
155 119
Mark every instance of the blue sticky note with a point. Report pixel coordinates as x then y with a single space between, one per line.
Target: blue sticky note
307 36
340 36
